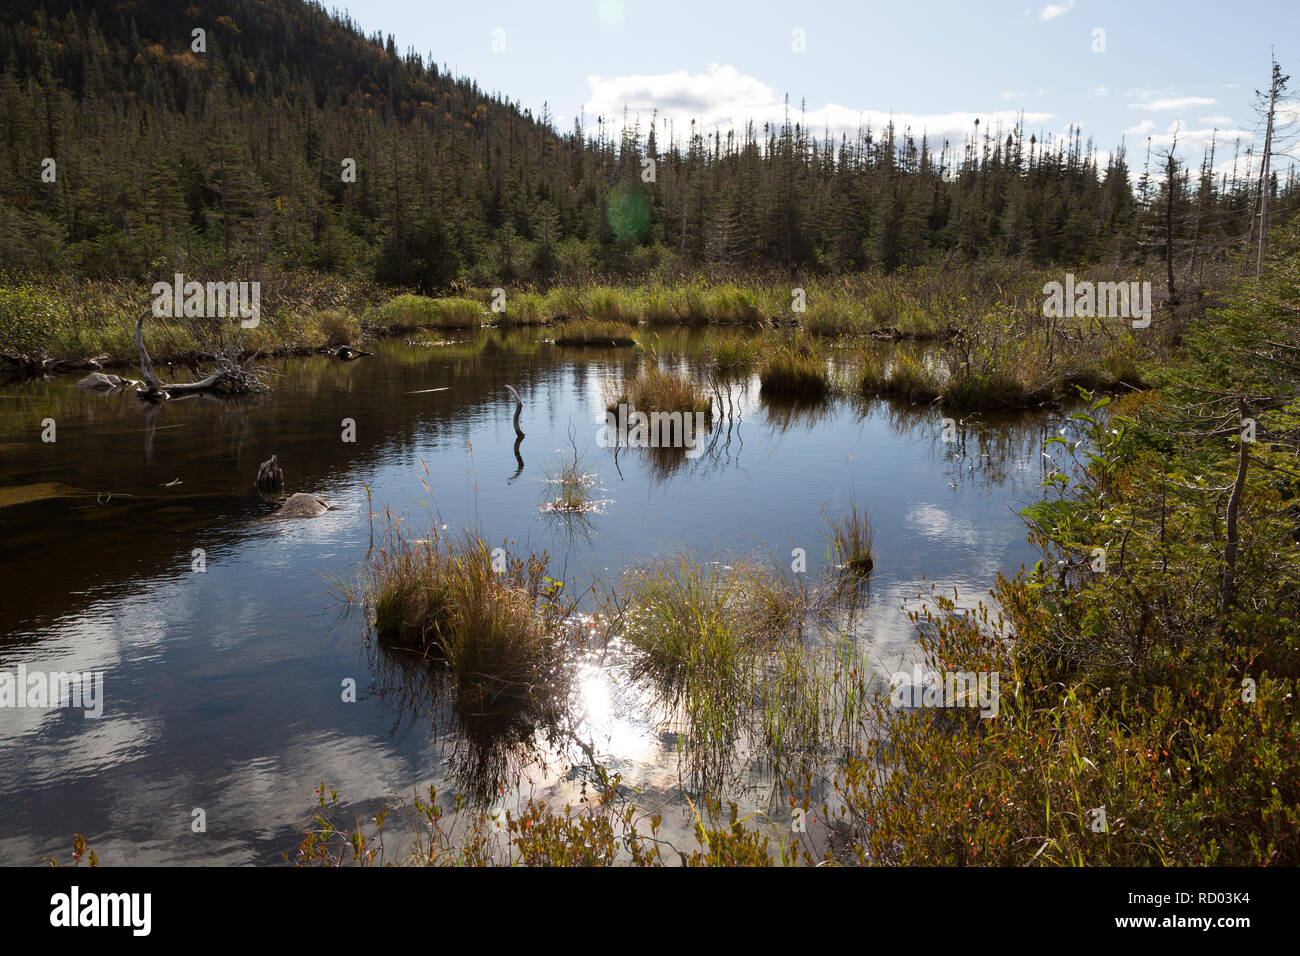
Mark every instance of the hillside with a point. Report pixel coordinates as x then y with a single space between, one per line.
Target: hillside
168 159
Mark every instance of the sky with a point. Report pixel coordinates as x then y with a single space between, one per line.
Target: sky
1121 71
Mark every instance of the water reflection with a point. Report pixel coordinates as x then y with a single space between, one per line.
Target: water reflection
223 686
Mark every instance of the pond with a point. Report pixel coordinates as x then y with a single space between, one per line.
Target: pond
223 688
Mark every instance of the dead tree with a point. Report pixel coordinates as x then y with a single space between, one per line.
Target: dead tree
231 376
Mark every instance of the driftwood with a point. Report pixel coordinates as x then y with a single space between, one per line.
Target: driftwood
519 407
229 377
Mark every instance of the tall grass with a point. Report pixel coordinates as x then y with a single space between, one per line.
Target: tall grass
655 390
851 538
523 308
596 332
496 630
910 379
726 644
406 313
795 371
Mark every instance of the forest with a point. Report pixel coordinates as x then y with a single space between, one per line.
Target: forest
236 159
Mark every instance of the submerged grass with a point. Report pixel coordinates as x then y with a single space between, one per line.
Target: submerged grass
727 645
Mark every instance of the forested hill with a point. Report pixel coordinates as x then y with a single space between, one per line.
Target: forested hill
167 157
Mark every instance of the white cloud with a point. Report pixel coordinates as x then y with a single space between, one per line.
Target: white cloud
1218 120
1053 10
724 98
1173 103
1191 142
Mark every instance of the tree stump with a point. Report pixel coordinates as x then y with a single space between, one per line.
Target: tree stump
269 475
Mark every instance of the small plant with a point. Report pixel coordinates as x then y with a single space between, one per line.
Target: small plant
569 486
79 852
851 542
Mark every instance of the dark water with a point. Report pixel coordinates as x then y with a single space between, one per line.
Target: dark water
222 689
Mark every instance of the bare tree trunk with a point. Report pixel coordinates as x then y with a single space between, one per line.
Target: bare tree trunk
146 365
1264 169
1170 186
1229 596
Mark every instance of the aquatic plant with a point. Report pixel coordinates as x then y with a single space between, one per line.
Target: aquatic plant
595 332
493 620
910 379
851 538
655 390
795 371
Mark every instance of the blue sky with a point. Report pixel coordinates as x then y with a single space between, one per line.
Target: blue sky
936 64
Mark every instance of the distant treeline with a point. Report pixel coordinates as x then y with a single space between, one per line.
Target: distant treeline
167 159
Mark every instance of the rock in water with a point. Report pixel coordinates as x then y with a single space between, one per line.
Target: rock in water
269 475
100 382
302 505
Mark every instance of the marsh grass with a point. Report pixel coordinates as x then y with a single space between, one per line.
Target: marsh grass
656 390
738 650
339 328
851 539
497 632
795 370
872 372
569 484
611 305
604 831
732 356
910 379
523 308
595 332
406 313
300 312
